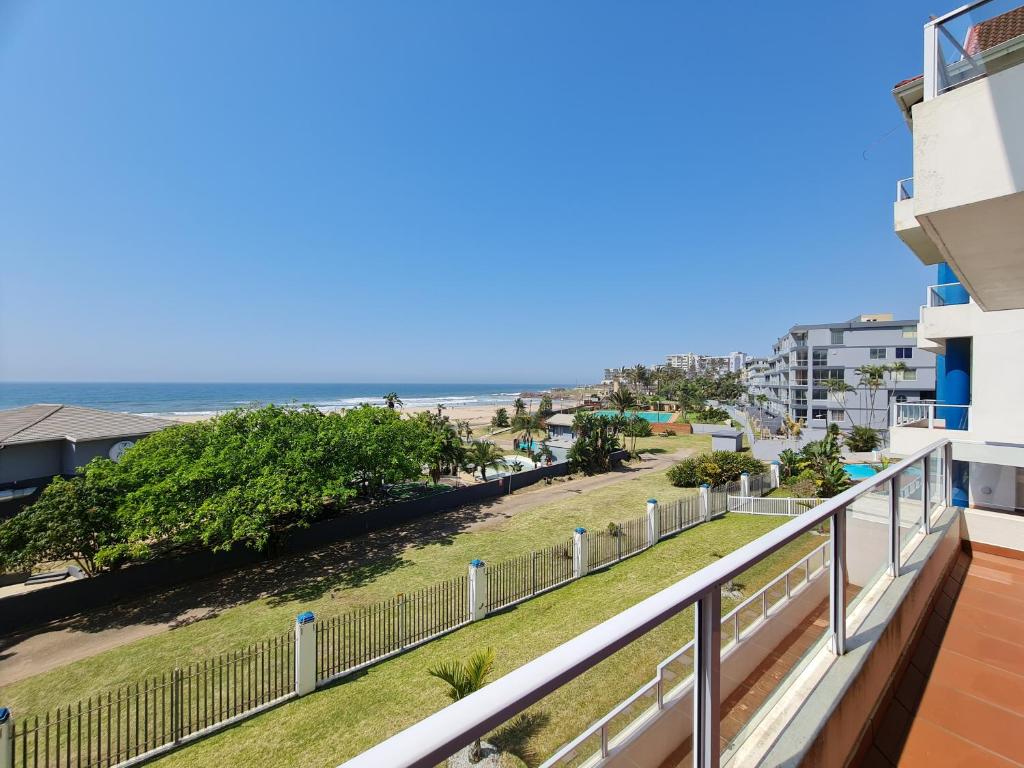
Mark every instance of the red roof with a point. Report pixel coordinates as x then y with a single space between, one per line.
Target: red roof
991 32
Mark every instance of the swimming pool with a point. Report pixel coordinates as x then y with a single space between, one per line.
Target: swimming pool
655 417
860 471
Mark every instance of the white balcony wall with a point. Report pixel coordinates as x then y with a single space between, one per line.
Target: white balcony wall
969 184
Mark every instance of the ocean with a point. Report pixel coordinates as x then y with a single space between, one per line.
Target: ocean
183 399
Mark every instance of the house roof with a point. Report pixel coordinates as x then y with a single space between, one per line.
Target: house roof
44 422
561 420
991 32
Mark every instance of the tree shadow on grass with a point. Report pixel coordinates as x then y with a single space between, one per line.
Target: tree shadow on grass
515 736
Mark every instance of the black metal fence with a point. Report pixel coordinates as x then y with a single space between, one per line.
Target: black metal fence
165 710
367 634
162 710
519 578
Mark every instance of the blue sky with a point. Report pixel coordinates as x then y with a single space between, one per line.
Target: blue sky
442 191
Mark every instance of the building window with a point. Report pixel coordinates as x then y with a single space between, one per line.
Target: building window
904 353
910 332
800 413
837 336
837 416
819 413
820 357
819 394
908 375
901 398
824 374
877 353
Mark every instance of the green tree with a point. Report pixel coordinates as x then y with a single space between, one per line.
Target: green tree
518 407
862 439
391 400
596 440
464 677
464 430
500 418
546 406
527 425
838 389
622 400
73 519
442 448
483 455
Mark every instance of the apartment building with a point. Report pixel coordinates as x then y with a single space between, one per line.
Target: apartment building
795 377
963 213
691 361
898 642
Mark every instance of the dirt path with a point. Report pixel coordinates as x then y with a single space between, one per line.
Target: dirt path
80 637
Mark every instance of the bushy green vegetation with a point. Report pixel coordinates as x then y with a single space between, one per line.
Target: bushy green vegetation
862 439
713 468
816 465
239 479
710 415
500 418
597 437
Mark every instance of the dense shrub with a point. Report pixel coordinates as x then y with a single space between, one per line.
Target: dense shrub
713 468
862 439
710 415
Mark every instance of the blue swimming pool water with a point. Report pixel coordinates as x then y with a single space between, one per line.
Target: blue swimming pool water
655 417
860 471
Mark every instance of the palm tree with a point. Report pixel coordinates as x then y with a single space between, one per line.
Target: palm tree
484 455
838 389
518 407
528 425
391 399
445 449
463 678
464 429
640 376
872 378
794 427
622 400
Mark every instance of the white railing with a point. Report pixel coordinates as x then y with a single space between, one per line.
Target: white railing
437 737
905 189
758 505
660 690
946 294
931 415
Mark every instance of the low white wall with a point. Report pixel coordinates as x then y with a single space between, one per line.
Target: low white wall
653 741
996 529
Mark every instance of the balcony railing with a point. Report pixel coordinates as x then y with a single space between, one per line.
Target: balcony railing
905 189
969 43
931 416
946 294
901 520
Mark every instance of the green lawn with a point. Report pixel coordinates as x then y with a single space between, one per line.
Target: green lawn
671 443
340 577
332 725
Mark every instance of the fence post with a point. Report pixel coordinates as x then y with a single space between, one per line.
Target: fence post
744 484
653 526
477 590
176 728
705 502
6 738
774 466
580 553
305 653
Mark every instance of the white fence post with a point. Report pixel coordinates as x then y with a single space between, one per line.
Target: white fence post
477 590
705 502
580 553
652 522
7 738
744 484
775 474
305 653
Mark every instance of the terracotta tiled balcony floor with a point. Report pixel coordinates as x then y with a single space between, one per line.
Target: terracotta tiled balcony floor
961 700
755 689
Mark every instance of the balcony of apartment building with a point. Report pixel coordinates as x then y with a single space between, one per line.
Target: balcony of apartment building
885 637
965 203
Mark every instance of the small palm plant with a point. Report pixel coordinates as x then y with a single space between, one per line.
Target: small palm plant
391 399
622 400
463 678
484 455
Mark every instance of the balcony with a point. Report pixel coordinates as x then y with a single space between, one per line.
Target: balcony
761 682
923 415
966 203
946 294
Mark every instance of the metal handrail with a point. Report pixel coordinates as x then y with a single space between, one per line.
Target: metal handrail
435 738
936 76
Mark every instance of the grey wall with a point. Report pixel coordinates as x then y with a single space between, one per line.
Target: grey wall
30 460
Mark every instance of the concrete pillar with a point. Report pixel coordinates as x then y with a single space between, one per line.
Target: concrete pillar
6 738
705 502
580 553
776 474
477 590
305 653
653 526
953 383
744 484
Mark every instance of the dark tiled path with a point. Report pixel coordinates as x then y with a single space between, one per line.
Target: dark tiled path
961 700
744 702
